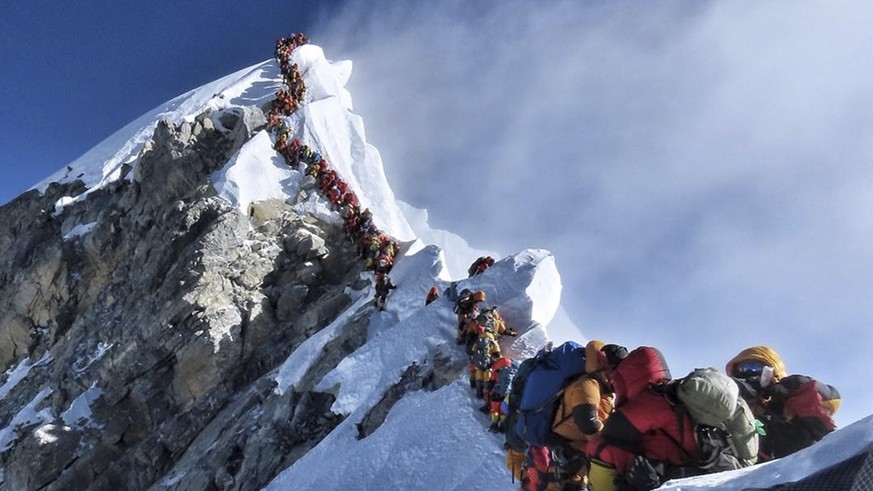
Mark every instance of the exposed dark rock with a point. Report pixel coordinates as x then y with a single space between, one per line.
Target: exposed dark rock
416 377
164 310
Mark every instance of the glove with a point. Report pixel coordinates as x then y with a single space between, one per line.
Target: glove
512 333
642 474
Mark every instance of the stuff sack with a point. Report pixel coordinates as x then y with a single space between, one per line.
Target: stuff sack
713 399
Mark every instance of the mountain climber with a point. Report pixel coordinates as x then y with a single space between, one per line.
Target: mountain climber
289 150
432 295
533 400
383 287
492 319
470 332
274 120
795 410
583 408
539 470
333 197
467 307
480 265
284 102
485 351
469 338
588 400
644 433
383 263
350 200
326 179
315 168
282 140
502 372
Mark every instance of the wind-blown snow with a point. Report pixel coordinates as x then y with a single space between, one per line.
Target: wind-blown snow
462 254
326 124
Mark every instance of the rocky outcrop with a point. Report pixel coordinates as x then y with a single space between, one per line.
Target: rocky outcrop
156 312
444 370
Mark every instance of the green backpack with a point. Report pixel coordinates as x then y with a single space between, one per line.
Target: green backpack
713 399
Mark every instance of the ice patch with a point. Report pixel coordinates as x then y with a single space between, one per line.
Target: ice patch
79 230
79 413
82 364
26 417
14 375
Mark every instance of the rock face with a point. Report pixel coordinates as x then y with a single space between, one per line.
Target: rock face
158 308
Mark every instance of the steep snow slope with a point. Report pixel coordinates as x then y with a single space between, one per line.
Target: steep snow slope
430 440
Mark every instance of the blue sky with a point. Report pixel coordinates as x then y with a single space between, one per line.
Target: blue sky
702 174
73 73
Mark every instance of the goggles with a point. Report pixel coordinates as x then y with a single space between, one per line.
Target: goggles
748 369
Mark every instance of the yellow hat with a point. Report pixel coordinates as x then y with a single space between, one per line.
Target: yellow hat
592 359
765 355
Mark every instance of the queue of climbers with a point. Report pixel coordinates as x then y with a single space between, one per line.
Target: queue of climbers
596 417
601 417
375 247
288 98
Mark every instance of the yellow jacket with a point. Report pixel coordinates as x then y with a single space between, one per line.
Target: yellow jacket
585 405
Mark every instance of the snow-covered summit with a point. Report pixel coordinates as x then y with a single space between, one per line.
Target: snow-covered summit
325 122
103 164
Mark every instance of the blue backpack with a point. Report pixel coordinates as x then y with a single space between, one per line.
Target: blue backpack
542 388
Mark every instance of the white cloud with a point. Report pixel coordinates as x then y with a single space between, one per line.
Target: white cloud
702 174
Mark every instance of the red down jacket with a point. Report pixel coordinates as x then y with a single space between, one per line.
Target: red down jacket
644 422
